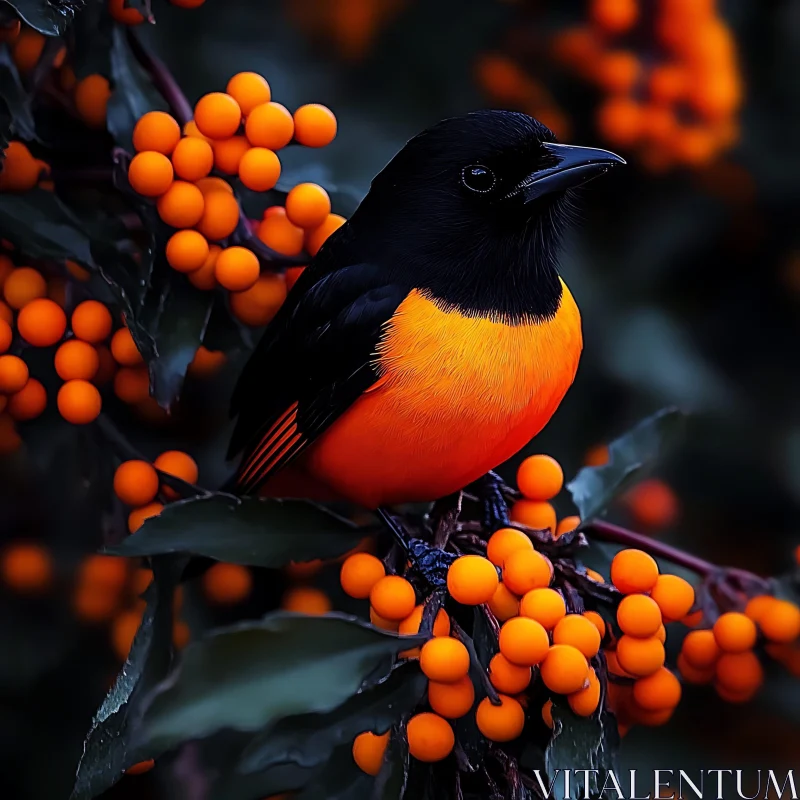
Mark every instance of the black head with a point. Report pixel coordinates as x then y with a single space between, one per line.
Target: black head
473 209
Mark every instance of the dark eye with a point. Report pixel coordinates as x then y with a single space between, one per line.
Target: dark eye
478 178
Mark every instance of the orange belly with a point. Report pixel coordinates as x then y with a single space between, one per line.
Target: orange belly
456 397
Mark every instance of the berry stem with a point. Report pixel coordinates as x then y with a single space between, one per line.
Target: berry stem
491 692
161 77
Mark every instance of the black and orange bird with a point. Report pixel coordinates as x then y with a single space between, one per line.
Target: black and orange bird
431 338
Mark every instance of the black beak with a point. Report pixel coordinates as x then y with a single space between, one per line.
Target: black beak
574 166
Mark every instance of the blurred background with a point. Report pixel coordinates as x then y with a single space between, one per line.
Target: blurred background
686 266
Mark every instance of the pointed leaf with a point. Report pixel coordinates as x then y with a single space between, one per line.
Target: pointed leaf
249 530
108 749
16 98
253 675
50 17
630 456
309 739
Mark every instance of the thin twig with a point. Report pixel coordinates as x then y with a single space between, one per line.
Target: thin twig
491 692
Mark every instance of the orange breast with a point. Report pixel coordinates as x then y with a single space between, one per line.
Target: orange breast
457 397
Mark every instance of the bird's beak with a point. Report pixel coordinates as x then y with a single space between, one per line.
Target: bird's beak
574 166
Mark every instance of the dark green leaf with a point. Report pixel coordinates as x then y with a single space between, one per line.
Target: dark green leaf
309 739
50 17
630 456
274 781
108 749
580 743
338 779
249 530
391 782
16 98
133 93
252 675
181 323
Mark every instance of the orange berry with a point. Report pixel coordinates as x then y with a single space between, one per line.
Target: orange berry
585 701
150 173
640 657
444 659
360 572
213 184
136 482
430 738
227 584
306 600
653 503
472 580
525 570
536 514
248 89
507 677
735 632
369 749
316 237
13 374
451 700
381 622
700 649
694 619
674 595
6 335
178 464
27 568
667 83
757 607
9 438
257 305
269 125
123 633
91 97
124 349
597 621
546 606
192 158
205 277
504 604
22 286
41 322
618 72
20 169
123 15
780 621
657 691
27 49
220 215
614 16
564 669
95 604
237 269
633 571
540 478
79 402
259 169
278 233
739 672
138 516
410 625
523 641
108 572
228 153
566 525
694 675
186 250
735 697
502 543
547 714
217 115
314 125
308 205
76 359
206 363
91 321
6 314
500 723
578 631
132 384
29 402
393 597
107 368
639 615
157 131
619 119
181 206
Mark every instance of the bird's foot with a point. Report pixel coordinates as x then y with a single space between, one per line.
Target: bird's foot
490 490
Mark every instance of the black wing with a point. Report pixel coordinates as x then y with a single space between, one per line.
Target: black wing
315 360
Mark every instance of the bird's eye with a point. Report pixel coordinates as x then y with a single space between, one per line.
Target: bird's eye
478 178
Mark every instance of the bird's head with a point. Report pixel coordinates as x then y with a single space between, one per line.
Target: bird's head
479 196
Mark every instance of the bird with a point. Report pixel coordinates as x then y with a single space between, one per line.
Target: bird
431 338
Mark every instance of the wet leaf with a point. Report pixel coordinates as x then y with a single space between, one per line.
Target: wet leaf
253 531
18 103
309 739
630 456
109 749
50 17
250 676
